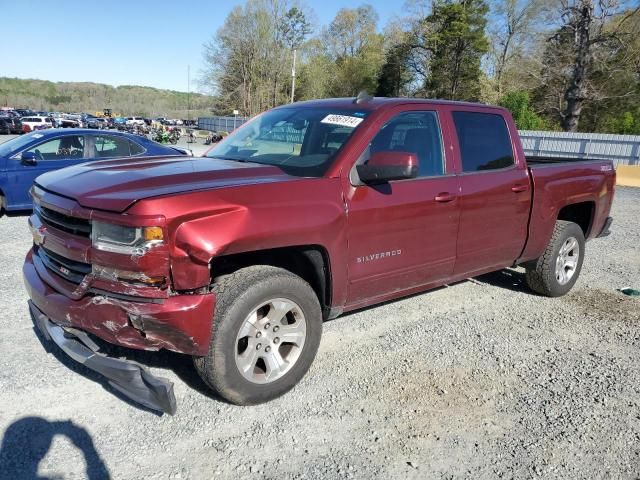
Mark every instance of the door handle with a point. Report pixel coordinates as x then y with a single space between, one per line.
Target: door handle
519 188
444 197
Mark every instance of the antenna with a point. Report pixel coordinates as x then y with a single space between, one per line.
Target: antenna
363 97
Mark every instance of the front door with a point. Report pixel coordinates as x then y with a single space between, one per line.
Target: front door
403 234
52 154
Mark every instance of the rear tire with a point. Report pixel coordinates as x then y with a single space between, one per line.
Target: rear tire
257 352
558 268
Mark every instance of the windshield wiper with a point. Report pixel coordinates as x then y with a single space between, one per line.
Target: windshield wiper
242 160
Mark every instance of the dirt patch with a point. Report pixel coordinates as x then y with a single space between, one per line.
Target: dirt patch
605 303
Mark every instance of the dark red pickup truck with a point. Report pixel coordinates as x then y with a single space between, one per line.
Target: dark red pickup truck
307 211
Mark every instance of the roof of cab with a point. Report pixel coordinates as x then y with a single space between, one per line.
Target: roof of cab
375 103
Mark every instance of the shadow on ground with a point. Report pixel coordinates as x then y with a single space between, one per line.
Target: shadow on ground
28 440
15 213
507 278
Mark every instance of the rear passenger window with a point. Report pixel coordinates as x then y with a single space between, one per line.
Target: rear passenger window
484 141
111 147
135 148
414 132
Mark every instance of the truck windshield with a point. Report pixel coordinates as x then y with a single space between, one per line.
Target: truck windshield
302 141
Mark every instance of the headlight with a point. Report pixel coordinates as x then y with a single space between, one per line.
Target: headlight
128 240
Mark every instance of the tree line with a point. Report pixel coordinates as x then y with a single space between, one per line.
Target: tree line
91 97
570 65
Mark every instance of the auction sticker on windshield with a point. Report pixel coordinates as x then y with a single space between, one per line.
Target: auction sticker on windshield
342 120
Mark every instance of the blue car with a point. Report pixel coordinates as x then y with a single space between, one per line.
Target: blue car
24 158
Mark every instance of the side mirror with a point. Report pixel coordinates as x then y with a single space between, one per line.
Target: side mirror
383 167
28 158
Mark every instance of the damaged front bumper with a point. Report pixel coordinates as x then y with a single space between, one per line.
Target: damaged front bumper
180 323
128 377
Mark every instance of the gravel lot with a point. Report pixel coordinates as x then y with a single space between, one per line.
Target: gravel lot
481 379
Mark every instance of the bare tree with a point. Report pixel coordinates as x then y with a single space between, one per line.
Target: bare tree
512 33
583 30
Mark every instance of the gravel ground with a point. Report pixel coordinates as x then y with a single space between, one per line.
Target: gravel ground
481 379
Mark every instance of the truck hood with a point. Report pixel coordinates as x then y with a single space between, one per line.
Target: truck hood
115 185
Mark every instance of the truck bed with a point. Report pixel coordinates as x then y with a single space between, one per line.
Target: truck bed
540 160
559 181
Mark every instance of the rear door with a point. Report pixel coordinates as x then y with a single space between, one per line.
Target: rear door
52 154
495 196
403 234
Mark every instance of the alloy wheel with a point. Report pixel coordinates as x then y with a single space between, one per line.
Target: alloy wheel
270 341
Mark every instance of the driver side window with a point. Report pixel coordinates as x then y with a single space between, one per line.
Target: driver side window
70 146
412 132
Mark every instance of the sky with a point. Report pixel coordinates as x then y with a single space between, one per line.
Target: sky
117 42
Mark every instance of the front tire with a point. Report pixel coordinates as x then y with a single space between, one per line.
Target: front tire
266 332
558 268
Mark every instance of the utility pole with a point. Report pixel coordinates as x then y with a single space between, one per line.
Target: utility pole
293 76
188 94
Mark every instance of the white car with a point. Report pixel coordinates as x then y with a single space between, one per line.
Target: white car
135 121
30 124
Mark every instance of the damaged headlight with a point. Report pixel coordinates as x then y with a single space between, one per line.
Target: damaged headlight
127 240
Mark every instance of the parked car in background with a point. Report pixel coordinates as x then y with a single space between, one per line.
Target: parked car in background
96 122
23 158
85 117
120 123
76 117
10 124
23 112
67 121
30 124
135 121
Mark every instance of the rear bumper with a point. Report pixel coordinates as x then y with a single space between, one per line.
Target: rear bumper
129 378
605 228
181 323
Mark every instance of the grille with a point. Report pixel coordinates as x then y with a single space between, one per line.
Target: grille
70 270
75 226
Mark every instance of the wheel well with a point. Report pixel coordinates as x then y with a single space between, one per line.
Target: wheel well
310 262
580 213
